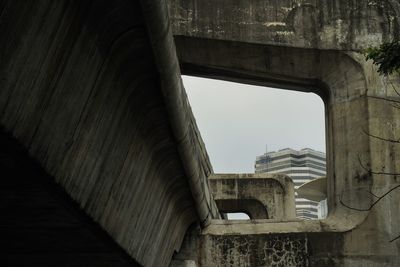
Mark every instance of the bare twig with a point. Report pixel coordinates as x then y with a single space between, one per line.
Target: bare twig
372 193
381 138
379 198
376 173
394 239
383 98
394 88
390 100
395 106
349 207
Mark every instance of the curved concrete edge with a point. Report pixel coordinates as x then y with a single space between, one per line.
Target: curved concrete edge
314 190
254 227
312 72
333 223
275 192
182 121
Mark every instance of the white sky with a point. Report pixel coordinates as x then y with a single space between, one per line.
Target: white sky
237 121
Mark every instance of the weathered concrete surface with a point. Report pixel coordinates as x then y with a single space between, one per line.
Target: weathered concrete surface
259 243
318 55
40 225
322 24
261 196
249 243
348 86
189 143
249 250
92 89
85 88
190 252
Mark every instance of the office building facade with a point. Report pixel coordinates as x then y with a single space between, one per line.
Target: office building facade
302 166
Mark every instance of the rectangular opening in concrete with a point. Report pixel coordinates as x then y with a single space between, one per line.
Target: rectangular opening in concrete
237 216
256 129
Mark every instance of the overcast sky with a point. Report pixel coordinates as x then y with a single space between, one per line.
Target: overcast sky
237 121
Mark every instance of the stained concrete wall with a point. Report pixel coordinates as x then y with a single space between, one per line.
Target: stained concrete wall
261 196
92 89
85 89
263 248
250 250
349 87
226 41
322 24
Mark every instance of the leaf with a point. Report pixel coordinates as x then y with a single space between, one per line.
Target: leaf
386 57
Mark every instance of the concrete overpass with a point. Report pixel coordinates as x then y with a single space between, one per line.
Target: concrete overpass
92 91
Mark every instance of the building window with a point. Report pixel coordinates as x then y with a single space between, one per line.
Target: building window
308 166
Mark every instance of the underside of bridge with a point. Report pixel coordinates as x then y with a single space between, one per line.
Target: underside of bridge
82 90
91 91
41 225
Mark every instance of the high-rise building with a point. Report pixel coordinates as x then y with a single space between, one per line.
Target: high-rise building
302 166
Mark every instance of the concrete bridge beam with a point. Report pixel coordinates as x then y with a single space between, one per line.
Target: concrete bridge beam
92 90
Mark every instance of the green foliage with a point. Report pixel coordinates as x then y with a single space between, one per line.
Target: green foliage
387 57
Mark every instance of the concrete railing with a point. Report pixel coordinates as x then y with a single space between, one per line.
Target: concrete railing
261 196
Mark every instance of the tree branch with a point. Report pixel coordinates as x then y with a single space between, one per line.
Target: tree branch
372 193
394 239
379 198
381 138
394 88
352 208
376 173
398 107
383 98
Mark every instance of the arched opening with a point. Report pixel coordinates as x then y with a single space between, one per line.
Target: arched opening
253 208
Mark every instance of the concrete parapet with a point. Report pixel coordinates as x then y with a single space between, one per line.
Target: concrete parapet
261 196
296 243
254 250
264 243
